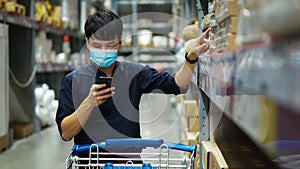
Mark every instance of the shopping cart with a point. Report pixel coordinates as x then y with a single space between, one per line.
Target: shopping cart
159 156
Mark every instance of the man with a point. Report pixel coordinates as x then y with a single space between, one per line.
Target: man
89 112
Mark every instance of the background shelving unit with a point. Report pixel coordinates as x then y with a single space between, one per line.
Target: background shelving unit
24 72
249 102
155 16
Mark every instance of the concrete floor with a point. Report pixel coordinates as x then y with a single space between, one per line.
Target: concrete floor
46 150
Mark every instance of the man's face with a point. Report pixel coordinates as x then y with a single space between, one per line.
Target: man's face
94 43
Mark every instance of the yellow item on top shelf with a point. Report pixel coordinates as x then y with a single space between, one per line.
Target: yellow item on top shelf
2 3
48 7
40 12
13 7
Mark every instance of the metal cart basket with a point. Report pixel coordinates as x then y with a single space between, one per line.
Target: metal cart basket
160 155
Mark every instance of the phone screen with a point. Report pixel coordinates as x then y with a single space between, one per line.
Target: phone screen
104 80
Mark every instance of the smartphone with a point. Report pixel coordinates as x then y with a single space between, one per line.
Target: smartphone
104 80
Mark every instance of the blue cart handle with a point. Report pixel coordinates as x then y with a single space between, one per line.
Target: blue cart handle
120 144
182 147
133 143
86 147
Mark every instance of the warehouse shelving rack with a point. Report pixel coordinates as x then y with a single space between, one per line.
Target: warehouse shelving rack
131 12
23 69
249 103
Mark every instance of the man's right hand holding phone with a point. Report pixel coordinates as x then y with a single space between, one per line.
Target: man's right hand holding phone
99 93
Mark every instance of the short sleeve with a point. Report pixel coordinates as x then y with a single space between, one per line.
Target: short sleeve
164 82
65 101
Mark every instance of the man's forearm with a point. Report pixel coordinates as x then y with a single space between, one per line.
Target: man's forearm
72 124
185 74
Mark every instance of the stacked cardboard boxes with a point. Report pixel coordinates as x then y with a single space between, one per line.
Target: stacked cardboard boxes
223 21
226 17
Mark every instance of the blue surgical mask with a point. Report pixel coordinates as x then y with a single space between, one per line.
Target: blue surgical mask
103 58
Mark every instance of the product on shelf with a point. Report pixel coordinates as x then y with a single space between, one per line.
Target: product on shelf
144 38
226 42
223 22
126 39
190 32
46 104
172 39
16 8
40 12
284 22
2 3
160 41
144 21
226 9
48 14
206 21
249 31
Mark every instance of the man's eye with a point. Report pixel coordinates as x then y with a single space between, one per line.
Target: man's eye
96 46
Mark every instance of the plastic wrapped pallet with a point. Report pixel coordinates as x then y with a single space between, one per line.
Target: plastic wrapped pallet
4 83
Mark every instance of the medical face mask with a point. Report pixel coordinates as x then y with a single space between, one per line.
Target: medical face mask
103 58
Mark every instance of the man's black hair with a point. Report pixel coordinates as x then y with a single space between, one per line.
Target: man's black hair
103 25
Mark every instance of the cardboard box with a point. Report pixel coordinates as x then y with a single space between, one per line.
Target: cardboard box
4 142
229 25
227 9
207 148
193 124
191 108
22 130
193 138
212 157
227 43
206 21
217 161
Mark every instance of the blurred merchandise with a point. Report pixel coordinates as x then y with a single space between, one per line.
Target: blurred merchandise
144 21
127 39
66 45
48 14
160 41
66 14
284 22
190 32
15 8
74 15
226 12
40 11
46 105
172 39
43 49
249 32
144 38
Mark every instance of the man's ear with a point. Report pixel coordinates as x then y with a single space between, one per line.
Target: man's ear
86 40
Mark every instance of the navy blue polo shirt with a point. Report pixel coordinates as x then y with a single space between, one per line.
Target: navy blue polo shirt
118 117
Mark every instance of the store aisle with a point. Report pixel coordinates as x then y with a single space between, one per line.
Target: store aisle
43 150
46 150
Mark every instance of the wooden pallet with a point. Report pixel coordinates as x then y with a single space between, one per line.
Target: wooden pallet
4 142
13 7
22 130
